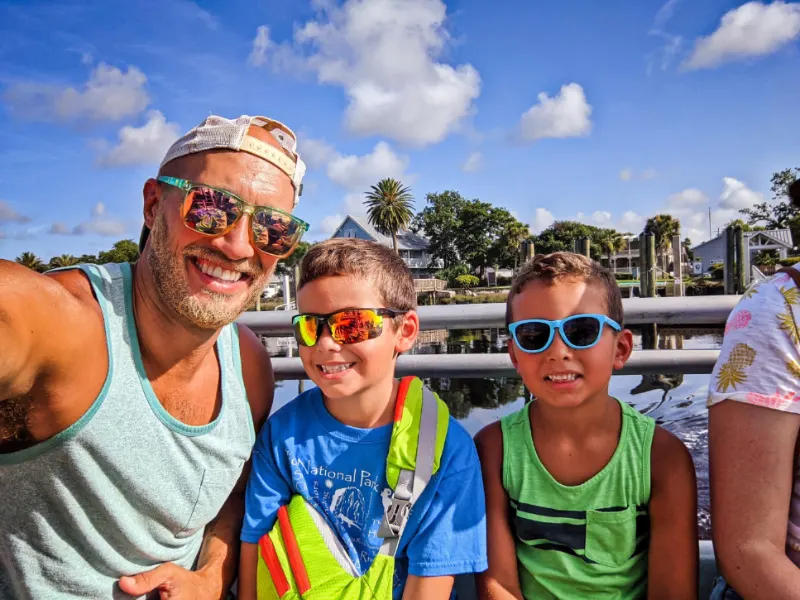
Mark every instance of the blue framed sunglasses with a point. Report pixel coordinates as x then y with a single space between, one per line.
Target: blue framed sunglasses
579 332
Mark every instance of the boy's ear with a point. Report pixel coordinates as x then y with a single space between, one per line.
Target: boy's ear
623 349
407 332
512 352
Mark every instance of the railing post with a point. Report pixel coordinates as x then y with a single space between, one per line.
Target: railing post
643 270
730 261
741 260
677 261
650 264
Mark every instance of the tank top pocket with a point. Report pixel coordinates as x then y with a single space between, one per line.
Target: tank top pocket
611 536
215 487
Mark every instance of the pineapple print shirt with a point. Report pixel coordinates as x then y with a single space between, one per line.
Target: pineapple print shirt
759 363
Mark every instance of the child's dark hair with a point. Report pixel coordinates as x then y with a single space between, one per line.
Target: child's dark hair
377 264
568 265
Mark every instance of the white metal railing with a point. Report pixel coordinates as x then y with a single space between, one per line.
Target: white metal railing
672 312
417 263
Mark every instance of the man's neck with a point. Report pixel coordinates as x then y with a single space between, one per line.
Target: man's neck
596 413
165 339
373 407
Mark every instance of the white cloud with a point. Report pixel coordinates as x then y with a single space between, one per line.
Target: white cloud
329 224
736 195
8 214
631 222
566 114
601 218
261 47
315 153
688 198
542 219
629 174
354 204
358 173
665 13
99 224
753 29
142 145
385 55
473 163
109 95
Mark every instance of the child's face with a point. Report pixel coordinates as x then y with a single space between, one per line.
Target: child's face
591 367
366 364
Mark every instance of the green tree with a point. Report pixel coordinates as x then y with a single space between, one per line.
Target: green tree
65 260
610 241
663 227
122 251
87 259
30 260
474 235
389 208
781 215
287 265
561 236
440 221
508 233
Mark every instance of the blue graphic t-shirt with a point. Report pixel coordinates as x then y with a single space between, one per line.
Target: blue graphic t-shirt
341 471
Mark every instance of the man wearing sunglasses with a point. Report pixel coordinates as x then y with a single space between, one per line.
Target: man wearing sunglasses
128 396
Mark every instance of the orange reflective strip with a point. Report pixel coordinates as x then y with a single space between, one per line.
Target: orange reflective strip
400 403
273 565
293 552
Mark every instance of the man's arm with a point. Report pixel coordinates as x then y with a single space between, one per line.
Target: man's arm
43 325
248 572
673 554
751 455
219 555
501 580
433 588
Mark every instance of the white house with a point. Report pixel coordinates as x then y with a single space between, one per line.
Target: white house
713 251
413 248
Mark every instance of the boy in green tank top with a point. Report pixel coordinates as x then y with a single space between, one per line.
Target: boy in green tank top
585 496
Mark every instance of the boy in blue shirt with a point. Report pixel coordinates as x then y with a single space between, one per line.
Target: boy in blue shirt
330 444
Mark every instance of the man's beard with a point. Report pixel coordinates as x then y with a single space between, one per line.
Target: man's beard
212 310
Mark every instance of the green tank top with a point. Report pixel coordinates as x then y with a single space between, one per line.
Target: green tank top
583 541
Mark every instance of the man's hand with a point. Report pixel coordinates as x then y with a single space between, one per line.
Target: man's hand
173 583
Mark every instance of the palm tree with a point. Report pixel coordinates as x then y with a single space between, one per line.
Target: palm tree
30 260
65 260
663 227
389 208
611 241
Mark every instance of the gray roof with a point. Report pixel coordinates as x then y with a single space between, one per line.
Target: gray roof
406 240
780 236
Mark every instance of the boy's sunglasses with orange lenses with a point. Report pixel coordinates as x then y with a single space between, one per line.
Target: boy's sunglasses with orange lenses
214 212
348 326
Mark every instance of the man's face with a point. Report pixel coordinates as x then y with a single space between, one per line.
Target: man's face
210 281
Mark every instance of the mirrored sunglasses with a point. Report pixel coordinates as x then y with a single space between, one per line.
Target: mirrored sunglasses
214 212
348 326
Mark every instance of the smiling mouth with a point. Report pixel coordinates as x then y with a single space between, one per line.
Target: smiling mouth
330 369
562 377
217 272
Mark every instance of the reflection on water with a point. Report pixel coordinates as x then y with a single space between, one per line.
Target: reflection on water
674 400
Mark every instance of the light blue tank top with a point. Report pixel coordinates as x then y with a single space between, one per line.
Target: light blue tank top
127 487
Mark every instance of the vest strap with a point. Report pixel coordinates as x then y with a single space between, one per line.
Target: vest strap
273 563
411 484
296 563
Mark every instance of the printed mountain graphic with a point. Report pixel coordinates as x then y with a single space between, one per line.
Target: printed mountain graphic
348 505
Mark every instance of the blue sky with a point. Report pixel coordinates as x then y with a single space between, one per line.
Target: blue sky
606 112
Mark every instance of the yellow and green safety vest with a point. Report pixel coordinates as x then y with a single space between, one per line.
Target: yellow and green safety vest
302 556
